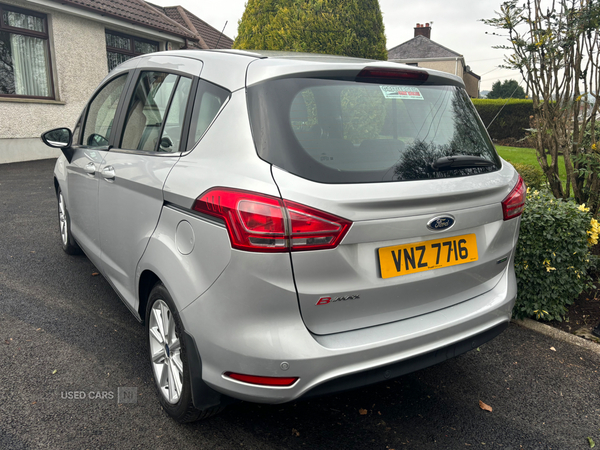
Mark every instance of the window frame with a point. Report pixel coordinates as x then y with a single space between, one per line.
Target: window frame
119 141
82 122
131 52
117 132
133 76
30 33
202 86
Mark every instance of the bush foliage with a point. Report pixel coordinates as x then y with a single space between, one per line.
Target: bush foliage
552 260
336 27
589 138
532 175
513 120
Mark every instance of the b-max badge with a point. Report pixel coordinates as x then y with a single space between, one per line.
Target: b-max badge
327 300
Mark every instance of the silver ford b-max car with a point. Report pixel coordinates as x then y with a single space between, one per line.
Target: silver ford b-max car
290 225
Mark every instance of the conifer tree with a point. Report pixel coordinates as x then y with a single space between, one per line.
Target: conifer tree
506 89
337 27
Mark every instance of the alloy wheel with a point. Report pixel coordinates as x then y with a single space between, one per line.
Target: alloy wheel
165 351
62 220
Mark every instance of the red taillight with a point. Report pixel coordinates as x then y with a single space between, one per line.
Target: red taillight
262 381
389 74
311 229
263 223
514 203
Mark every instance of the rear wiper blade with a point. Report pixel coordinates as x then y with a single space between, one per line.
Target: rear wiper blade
460 162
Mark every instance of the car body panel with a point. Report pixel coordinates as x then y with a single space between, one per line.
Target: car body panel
129 207
187 268
368 201
82 178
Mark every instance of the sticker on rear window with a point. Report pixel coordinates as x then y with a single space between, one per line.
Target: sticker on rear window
401 92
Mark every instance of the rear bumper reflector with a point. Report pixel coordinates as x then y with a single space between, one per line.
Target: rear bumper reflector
262 381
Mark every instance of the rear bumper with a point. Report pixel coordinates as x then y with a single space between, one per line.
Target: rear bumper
398 369
255 336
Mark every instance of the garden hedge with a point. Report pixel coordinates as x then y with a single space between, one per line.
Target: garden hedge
512 121
532 175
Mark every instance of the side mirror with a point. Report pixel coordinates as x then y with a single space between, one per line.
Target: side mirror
96 140
60 138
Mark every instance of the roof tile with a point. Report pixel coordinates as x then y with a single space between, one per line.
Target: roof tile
210 35
421 47
135 11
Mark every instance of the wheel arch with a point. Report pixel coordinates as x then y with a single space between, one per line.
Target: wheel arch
148 279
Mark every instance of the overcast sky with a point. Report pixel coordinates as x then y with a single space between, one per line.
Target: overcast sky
455 24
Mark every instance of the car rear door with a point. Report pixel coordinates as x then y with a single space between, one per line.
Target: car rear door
148 145
411 166
83 170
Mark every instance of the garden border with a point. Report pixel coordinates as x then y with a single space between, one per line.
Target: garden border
558 334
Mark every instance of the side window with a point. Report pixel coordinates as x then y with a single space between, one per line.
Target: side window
171 135
25 69
147 110
207 104
101 113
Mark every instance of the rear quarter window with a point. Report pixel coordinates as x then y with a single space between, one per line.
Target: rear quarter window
208 102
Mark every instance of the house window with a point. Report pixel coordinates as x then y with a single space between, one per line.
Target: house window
24 55
121 47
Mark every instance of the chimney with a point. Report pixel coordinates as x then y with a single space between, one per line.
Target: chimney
423 30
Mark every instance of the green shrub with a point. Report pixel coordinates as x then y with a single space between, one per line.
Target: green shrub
552 261
532 175
512 121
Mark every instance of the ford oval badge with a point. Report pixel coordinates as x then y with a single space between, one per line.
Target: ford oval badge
441 223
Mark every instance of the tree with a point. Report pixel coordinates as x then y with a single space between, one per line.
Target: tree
338 27
507 89
556 50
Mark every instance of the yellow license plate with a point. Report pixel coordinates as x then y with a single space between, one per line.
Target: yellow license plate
427 255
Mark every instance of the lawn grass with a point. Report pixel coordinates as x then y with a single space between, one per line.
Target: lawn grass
516 155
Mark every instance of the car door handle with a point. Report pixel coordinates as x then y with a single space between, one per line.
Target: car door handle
108 172
90 168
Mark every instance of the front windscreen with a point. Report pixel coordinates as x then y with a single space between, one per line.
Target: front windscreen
335 131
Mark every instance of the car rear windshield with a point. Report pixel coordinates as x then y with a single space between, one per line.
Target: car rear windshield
339 131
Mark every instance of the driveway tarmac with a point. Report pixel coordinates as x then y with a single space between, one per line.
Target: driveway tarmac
74 372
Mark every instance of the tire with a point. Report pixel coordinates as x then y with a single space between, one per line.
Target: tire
69 245
168 358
